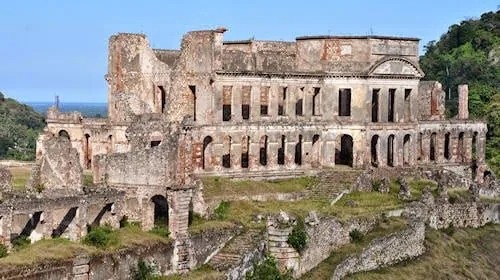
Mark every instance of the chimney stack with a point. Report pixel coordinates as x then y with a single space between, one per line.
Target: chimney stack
463 102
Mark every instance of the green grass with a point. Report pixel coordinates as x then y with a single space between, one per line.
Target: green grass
467 254
88 179
417 187
367 204
221 186
47 249
325 269
20 176
60 248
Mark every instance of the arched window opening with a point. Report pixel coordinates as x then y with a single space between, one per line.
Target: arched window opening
390 150
406 149
109 148
420 146
245 147
461 147
447 154
207 151
226 157
344 150
263 151
298 151
374 150
160 210
64 133
281 150
432 155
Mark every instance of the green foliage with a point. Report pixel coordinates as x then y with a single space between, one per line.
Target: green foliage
20 242
160 230
143 271
19 128
450 230
101 237
3 248
267 270
469 53
356 236
298 237
222 210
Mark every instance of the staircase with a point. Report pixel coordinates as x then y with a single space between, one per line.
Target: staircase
332 182
233 253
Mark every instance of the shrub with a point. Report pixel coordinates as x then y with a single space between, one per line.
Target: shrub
160 231
356 236
450 230
143 271
298 237
452 199
21 242
267 270
376 185
101 237
222 210
3 251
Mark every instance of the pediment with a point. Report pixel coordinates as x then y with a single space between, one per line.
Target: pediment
396 67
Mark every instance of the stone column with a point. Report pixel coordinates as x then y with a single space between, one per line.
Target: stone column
253 155
255 103
290 151
236 105
308 155
272 155
463 102
481 146
468 148
307 103
426 143
236 155
273 102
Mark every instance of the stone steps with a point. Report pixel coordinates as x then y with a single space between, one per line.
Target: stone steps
232 254
332 183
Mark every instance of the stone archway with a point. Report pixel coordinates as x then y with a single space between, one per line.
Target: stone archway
344 150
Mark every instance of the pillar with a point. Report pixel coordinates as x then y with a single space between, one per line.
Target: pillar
463 102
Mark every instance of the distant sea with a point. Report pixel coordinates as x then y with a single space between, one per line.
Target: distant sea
93 110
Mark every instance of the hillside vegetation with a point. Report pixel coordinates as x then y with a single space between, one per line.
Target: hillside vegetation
470 53
19 128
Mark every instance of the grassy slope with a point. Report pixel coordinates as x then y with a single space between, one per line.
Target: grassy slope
59 248
467 254
220 186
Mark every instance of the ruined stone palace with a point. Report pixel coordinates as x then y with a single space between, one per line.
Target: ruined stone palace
273 107
234 108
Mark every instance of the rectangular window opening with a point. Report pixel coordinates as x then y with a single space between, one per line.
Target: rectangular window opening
163 97
226 102
390 108
193 92
245 102
407 115
264 100
282 101
375 106
345 102
316 106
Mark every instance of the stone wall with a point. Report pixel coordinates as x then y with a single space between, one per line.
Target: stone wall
117 265
471 214
5 179
385 251
58 168
325 235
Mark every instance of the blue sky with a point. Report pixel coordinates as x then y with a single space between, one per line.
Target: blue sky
60 47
